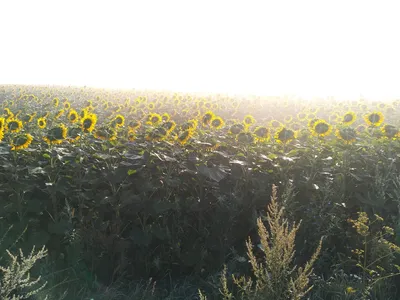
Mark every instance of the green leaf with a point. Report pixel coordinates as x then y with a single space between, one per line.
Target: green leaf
131 172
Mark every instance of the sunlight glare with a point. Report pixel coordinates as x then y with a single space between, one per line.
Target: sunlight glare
309 48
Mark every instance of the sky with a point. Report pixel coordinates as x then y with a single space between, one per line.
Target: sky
308 48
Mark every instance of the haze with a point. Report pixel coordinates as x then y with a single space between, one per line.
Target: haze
308 48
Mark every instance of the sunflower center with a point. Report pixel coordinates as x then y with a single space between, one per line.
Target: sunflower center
322 128
374 118
348 118
87 123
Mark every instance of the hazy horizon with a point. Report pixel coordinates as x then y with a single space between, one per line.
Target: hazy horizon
307 48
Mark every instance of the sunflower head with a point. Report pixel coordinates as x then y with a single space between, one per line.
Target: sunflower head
74 133
157 134
105 133
235 129
390 131
261 133
347 134
206 118
275 124
169 126
56 101
154 119
288 119
88 123
349 118
321 128
21 141
374 119
27 118
302 116
13 125
190 125
67 105
165 117
59 113
217 123
151 106
41 122
311 123
131 135
184 136
245 137
119 120
248 120
284 135
56 135
134 125
73 116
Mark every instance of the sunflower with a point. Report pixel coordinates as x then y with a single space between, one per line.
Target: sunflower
248 120
74 133
349 118
89 103
374 119
206 118
284 135
236 128
261 133
84 112
321 128
41 122
56 101
361 128
165 117
275 124
134 125
301 116
245 137
381 106
295 126
190 125
8 112
217 123
105 133
59 114
346 134
119 120
67 105
56 135
288 119
151 106
157 134
390 131
2 123
21 141
154 119
131 135
73 116
169 126
88 122
1 134
45 114
13 125
184 136
311 123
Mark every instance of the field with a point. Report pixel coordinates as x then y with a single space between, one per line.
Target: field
158 195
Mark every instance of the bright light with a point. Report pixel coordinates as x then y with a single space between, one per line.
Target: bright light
341 48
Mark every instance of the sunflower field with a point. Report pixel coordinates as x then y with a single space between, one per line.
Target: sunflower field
131 186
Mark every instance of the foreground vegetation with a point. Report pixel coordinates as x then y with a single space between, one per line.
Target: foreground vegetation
149 195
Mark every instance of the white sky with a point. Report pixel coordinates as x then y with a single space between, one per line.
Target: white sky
342 48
